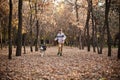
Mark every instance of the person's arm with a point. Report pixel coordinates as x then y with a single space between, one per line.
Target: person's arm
56 38
64 37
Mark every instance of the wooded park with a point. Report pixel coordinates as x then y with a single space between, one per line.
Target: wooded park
31 32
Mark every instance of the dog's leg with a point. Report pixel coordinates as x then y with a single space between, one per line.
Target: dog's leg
44 52
41 54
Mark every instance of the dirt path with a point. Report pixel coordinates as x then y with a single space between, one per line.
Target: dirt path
75 64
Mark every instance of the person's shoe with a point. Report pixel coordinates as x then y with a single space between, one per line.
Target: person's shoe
60 54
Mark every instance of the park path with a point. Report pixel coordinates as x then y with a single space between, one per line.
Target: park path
75 64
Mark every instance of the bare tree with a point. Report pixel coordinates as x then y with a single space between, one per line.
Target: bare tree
106 26
9 29
107 8
37 27
87 26
31 38
1 46
119 36
19 33
93 25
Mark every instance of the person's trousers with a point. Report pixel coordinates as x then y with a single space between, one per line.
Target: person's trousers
60 47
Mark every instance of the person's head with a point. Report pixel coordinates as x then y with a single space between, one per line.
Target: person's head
60 30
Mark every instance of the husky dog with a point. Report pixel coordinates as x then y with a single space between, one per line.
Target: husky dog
43 49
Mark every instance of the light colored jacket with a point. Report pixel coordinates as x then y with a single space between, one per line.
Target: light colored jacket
60 37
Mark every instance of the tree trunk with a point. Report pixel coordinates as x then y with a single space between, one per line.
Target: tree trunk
83 41
107 26
119 36
9 30
1 36
19 33
96 38
77 20
4 36
1 43
76 9
37 28
24 41
93 26
80 40
87 27
36 41
14 38
31 39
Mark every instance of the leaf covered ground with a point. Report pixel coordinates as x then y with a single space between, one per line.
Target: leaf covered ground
75 64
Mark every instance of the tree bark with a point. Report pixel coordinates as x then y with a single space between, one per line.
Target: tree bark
119 36
19 33
9 29
76 9
31 39
80 40
102 31
107 26
83 41
1 43
93 26
14 37
1 36
37 28
87 26
77 20
96 38
4 36
37 34
24 41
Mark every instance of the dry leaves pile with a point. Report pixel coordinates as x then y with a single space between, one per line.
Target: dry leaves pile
75 64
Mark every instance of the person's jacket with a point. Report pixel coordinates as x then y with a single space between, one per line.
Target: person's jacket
60 37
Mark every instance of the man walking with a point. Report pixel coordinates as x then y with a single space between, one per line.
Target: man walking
61 39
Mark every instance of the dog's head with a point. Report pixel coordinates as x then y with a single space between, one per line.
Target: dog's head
43 48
